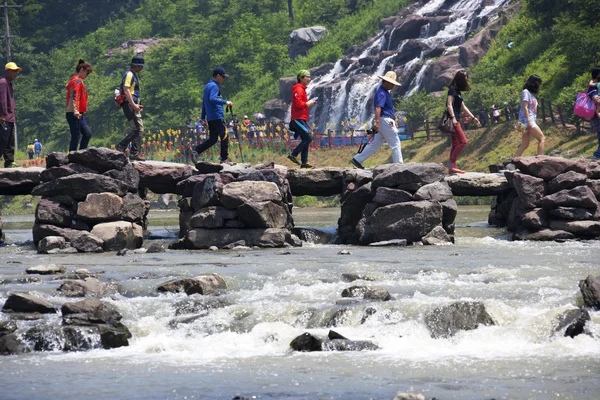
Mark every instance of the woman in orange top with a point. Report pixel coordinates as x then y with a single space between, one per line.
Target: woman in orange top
77 105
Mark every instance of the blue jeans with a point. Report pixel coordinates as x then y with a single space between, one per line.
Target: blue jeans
79 129
301 128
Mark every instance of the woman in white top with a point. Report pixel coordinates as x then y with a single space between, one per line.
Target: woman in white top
528 115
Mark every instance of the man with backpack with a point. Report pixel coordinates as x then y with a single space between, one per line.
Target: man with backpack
130 90
37 147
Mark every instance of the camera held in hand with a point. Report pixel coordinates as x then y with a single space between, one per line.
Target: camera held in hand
371 131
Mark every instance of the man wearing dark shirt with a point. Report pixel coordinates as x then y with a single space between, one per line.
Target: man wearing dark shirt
7 115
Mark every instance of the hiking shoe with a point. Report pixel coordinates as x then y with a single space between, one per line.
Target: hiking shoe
120 148
356 163
136 157
306 165
194 156
227 161
293 159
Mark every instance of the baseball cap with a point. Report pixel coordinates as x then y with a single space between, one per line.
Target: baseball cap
12 66
220 71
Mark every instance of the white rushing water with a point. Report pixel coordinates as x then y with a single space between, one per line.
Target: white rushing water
337 84
274 295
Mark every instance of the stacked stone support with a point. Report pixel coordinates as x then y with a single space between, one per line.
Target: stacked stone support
551 199
90 199
242 206
397 202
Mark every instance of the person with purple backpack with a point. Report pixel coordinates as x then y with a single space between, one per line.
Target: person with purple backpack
593 93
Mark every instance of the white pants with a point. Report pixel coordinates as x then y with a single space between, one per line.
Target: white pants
389 133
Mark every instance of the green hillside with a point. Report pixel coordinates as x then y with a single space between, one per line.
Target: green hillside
557 40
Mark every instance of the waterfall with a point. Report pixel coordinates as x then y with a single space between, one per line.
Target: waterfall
346 91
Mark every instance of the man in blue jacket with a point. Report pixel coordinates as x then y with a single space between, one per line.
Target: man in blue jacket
212 111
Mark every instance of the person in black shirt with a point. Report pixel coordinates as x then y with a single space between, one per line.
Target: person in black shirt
456 105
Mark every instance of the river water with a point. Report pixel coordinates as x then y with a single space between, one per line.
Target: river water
275 295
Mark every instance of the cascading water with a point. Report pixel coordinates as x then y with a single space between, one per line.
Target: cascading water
345 92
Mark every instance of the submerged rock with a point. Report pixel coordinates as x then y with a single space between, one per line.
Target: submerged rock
446 321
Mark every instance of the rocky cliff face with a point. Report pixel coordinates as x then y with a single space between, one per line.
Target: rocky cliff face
425 44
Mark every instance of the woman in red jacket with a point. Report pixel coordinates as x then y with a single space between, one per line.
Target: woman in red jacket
77 105
299 121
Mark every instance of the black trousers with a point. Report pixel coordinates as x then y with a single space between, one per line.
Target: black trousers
79 129
216 130
7 143
302 129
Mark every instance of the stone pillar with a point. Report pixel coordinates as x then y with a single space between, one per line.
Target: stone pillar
90 198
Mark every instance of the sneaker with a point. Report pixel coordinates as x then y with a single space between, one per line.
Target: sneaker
293 159
120 148
12 165
136 157
194 156
356 163
306 165
227 161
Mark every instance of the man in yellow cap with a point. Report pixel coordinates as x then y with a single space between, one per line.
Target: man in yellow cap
7 115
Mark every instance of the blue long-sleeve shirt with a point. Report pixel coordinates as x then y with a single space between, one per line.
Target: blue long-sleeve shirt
212 103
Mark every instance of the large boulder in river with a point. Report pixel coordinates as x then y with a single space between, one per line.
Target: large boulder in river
61 171
88 286
446 321
547 167
119 235
590 289
162 177
316 182
51 211
19 302
237 193
529 188
409 176
271 237
95 311
580 196
19 181
206 284
410 220
100 207
264 214
83 241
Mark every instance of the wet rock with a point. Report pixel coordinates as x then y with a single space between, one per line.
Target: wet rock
409 396
156 248
390 243
355 291
198 304
437 236
351 277
46 269
19 302
118 235
93 311
369 311
206 193
377 294
133 208
114 336
306 342
203 284
590 289
446 321
233 245
351 213
7 327
83 241
349 345
271 237
50 244
535 219
81 338
544 235
340 317
88 286
589 229
19 280
314 235
344 252
572 322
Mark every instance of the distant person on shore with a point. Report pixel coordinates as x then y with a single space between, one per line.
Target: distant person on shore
132 109
76 106
30 152
384 123
37 147
456 105
527 116
299 119
495 114
593 91
212 111
7 115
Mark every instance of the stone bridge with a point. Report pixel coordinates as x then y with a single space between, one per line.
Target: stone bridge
162 177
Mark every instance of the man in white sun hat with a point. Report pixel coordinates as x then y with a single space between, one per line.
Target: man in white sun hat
384 123
7 115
